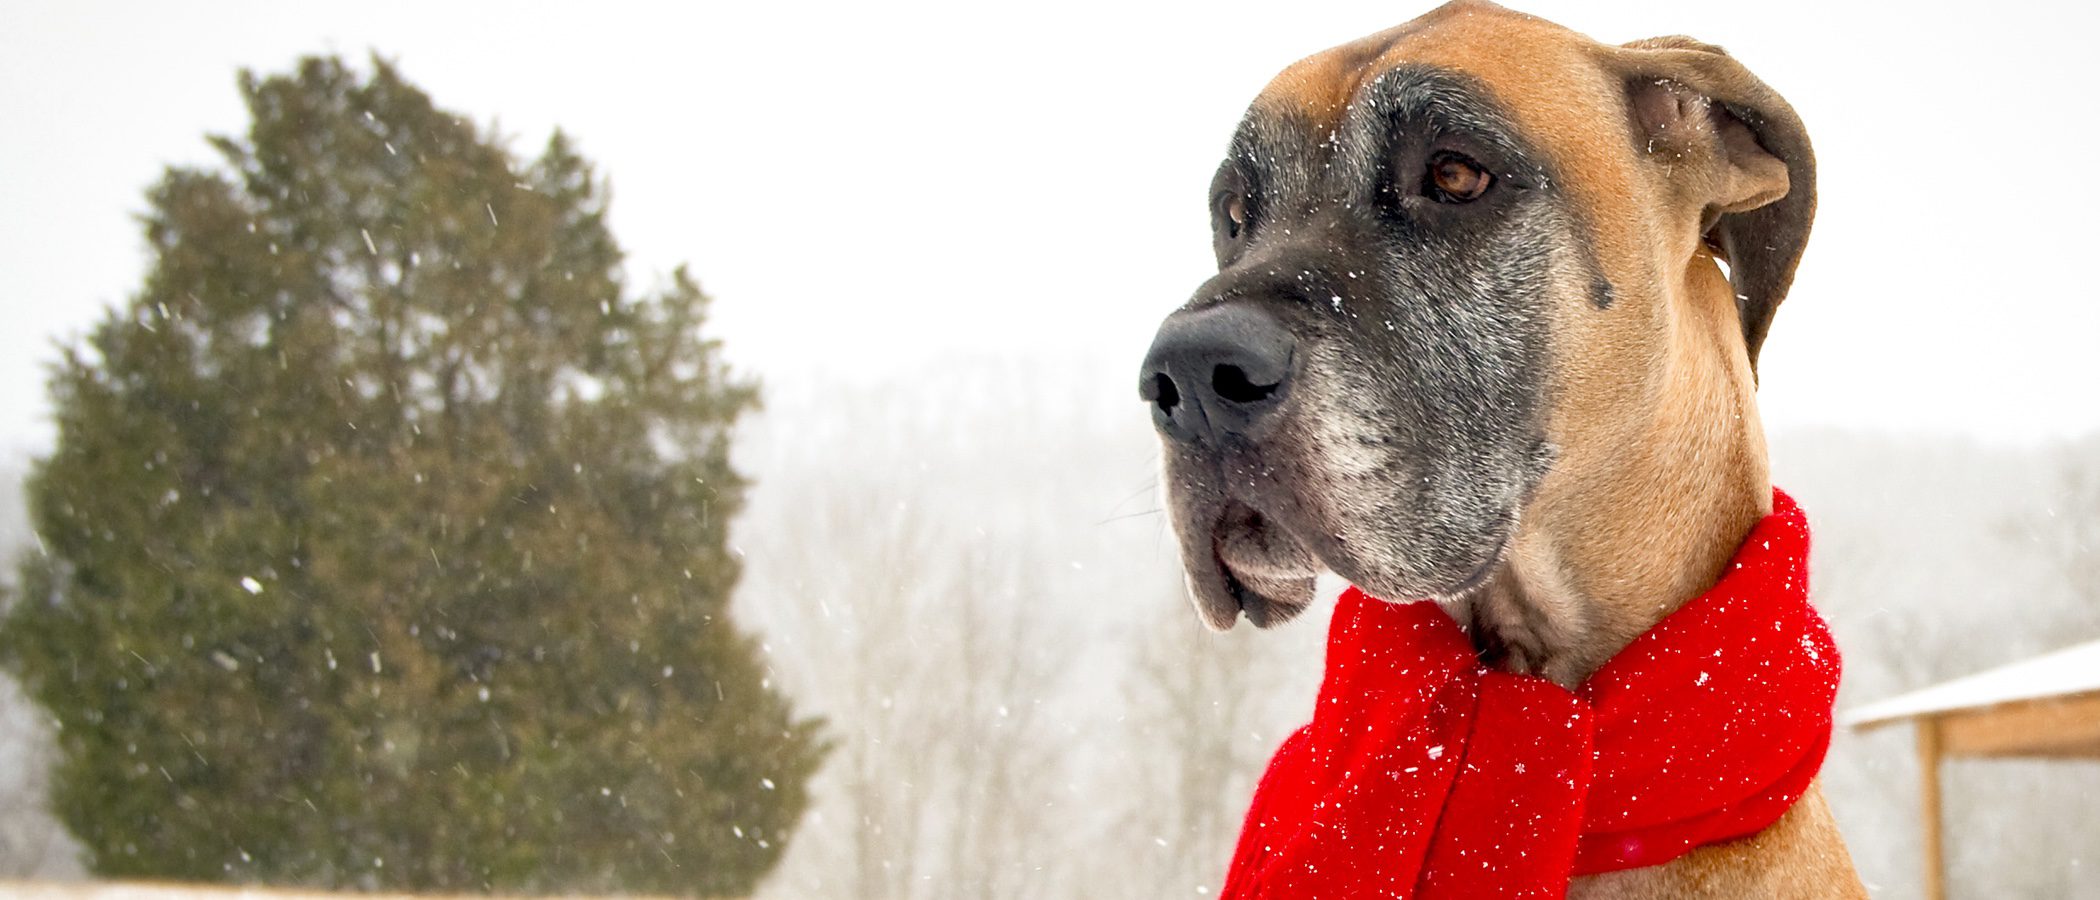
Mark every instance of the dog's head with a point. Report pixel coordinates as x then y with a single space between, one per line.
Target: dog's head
1465 266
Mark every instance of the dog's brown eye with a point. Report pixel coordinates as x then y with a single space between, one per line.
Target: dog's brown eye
1457 179
1235 212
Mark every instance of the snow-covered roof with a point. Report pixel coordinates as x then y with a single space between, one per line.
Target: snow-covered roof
2072 670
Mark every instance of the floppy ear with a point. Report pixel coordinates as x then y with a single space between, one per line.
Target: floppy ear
1750 164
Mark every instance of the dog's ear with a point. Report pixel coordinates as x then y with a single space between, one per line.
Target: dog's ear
1735 147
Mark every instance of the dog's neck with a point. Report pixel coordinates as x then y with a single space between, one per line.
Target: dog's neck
1637 519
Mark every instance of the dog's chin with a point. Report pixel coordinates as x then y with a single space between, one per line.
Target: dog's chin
1266 602
1444 588
1254 568
1255 565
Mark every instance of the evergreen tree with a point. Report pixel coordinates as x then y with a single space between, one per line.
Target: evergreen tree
384 542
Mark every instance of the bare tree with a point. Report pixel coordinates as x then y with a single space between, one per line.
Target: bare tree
927 659
1195 697
903 593
1202 714
2074 514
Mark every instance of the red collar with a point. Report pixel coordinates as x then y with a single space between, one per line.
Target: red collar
1425 775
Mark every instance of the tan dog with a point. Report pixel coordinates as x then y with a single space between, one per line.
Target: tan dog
1471 339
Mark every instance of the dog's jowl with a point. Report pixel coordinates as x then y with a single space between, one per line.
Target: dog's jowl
1484 334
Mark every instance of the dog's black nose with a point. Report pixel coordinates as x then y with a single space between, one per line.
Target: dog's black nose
1216 371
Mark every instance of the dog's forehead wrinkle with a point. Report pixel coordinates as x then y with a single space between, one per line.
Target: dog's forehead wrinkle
1279 154
1426 103
1432 99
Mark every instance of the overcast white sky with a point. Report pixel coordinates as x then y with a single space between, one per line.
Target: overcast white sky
870 186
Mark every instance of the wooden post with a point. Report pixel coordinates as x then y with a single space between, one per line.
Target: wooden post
1929 798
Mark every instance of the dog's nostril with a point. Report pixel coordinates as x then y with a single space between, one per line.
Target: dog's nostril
1163 393
1216 371
1231 383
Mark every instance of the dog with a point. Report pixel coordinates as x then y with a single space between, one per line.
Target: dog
1485 330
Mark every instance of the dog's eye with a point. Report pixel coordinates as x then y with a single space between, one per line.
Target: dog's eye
1456 179
1234 206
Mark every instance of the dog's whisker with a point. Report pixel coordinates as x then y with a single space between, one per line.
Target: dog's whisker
1149 512
1150 487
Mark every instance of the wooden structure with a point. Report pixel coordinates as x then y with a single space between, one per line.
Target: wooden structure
2048 706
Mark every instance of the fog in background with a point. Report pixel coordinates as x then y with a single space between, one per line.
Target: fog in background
869 187
942 237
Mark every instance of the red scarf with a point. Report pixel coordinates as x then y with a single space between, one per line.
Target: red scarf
1425 775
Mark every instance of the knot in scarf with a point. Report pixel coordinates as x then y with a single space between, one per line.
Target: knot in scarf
1424 774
